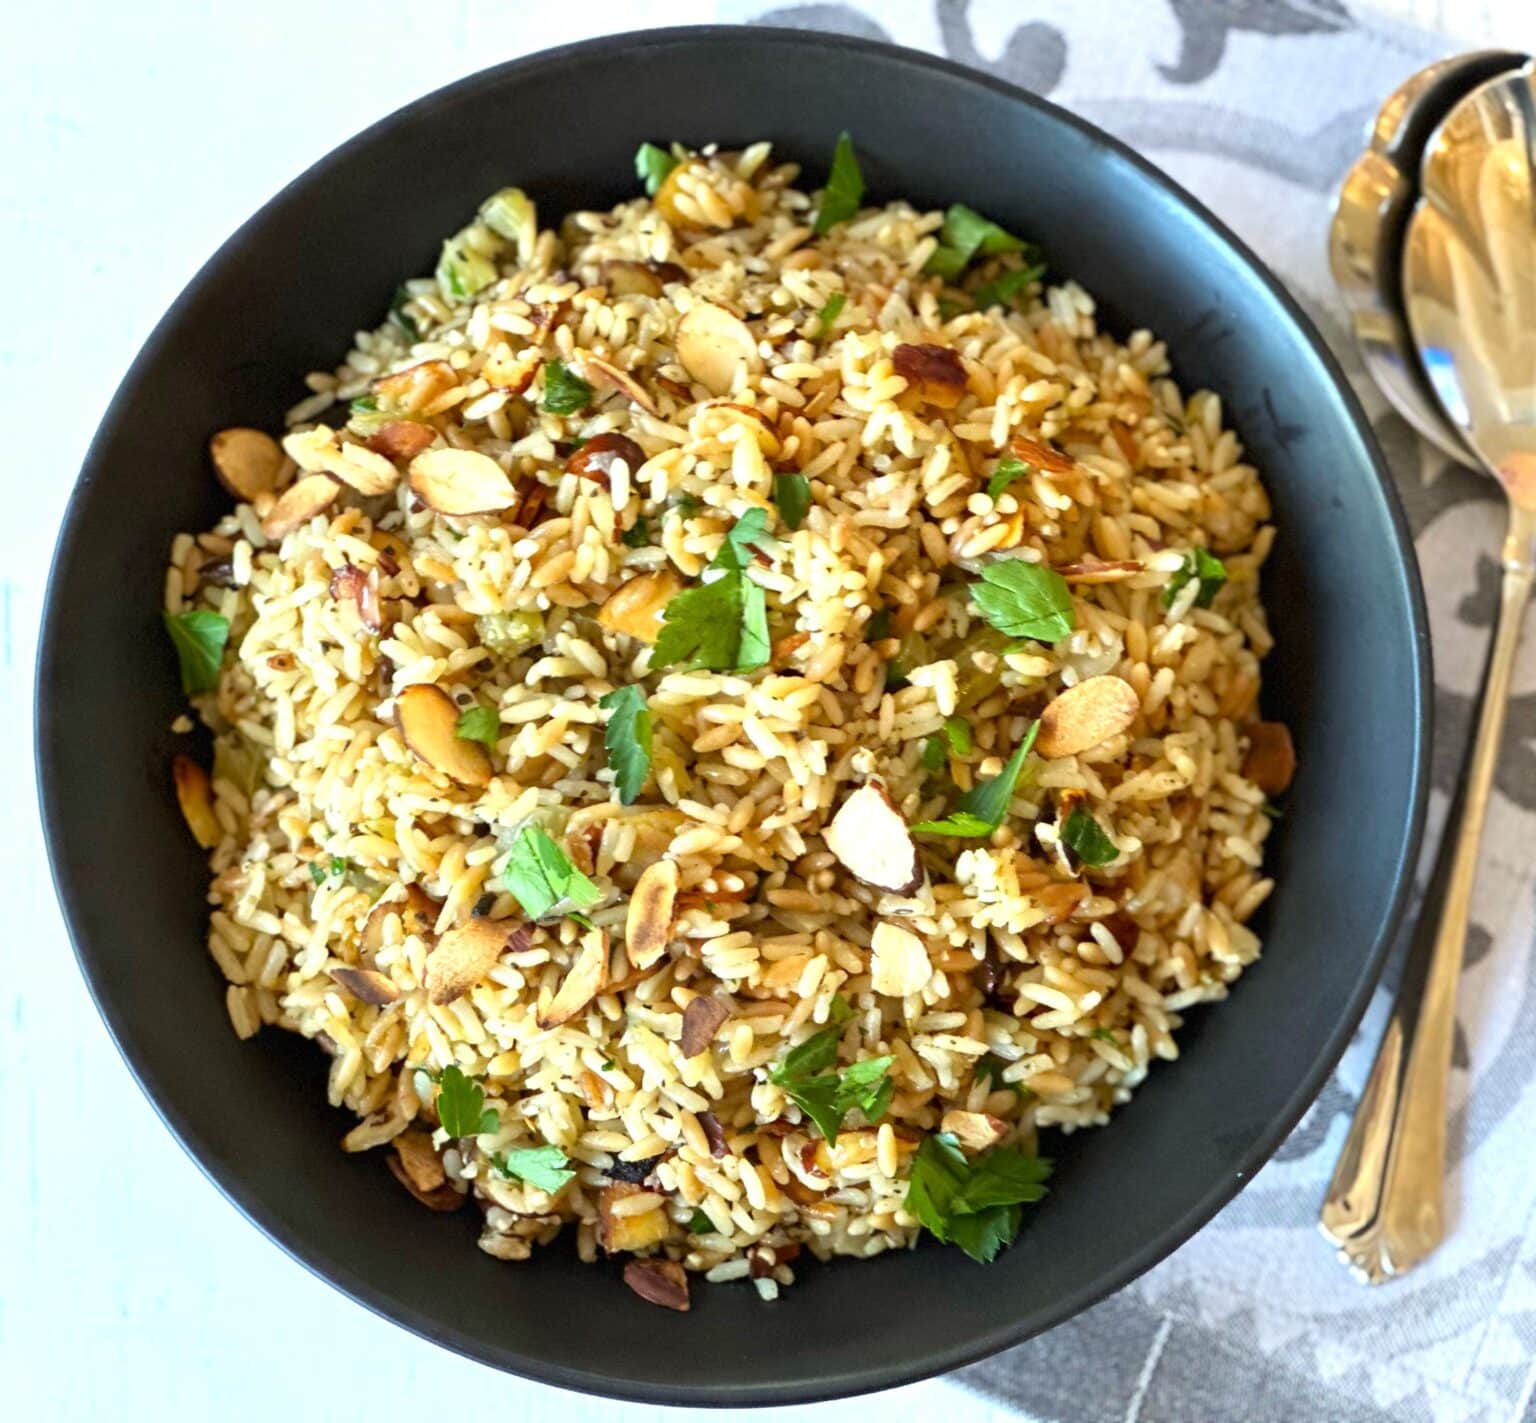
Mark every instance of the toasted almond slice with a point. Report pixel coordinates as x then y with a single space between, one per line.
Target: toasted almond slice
401 440
662 1282
702 1019
1042 456
1271 760
410 391
299 503
316 452
509 372
195 797
464 956
596 458
652 908
427 718
975 1131
1086 715
636 607
629 278
444 1198
367 985
715 347
461 482
621 380
934 372
247 462
872 841
418 915
587 977
898 961
419 1160
1089 570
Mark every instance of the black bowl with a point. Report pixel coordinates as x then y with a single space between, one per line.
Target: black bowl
1350 674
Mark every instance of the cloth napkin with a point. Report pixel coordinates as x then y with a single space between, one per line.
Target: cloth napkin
1258 106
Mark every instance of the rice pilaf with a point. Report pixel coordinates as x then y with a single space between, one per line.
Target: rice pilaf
747 718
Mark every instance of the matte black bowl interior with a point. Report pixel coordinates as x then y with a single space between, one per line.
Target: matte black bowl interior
282 297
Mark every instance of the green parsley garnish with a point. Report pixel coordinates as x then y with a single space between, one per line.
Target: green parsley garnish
829 313
1202 564
1001 290
974 1204
721 624
461 1103
1008 469
480 724
199 640
957 731
546 1167
564 392
317 872
627 737
364 405
1085 838
878 628
637 535
652 165
967 234
827 1097
1104 1035
982 808
792 496
700 1224
1025 600
402 318
933 754
541 877
844 192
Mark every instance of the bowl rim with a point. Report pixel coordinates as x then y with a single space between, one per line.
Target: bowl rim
875 1376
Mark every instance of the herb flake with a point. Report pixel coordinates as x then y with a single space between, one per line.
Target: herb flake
480 724
827 316
541 877
844 192
1202 564
199 639
1086 838
826 1097
461 1104
653 165
565 392
721 624
627 738
792 497
1025 600
983 808
546 1167
973 1203
1008 469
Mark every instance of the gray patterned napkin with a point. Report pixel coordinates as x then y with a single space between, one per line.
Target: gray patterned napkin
1258 106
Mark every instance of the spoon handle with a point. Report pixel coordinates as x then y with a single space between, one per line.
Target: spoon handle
1384 1207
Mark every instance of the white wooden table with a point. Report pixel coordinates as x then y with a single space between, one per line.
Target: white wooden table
137 138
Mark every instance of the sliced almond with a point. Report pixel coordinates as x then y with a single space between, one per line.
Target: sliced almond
195 797
636 607
662 1282
419 1160
247 462
1042 456
872 841
464 956
410 391
366 985
652 909
1271 760
587 977
444 1198
1090 570
975 1131
461 483
702 1019
899 962
640 278
418 915
934 372
621 380
299 503
595 459
401 440
509 372
367 472
1086 715
715 347
428 718
350 584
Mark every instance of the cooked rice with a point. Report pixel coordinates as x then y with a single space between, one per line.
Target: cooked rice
1076 982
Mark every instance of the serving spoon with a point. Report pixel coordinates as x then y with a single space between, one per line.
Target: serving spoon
1365 237
1469 288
